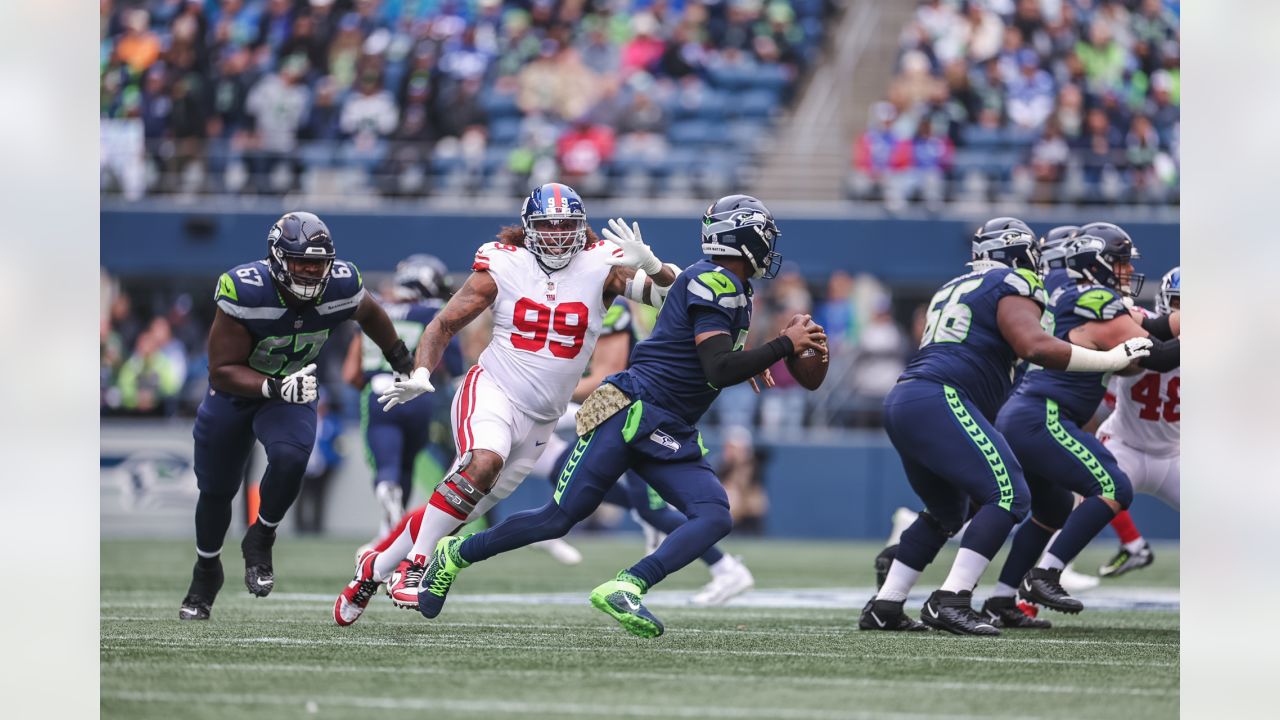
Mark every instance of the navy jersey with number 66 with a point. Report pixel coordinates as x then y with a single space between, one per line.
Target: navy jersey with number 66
286 339
962 345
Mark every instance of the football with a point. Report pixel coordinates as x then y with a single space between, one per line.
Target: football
810 367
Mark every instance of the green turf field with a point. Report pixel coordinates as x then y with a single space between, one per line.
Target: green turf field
283 656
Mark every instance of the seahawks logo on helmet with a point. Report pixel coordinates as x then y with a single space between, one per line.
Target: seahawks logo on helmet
741 226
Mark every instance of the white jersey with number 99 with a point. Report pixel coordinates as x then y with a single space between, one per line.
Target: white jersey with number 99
545 325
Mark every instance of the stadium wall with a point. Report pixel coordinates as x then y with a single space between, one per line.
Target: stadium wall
902 252
840 485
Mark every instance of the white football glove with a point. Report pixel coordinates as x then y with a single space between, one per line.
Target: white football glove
1117 358
404 390
635 253
298 388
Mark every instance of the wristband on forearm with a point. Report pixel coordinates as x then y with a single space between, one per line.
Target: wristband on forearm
271 388
399 358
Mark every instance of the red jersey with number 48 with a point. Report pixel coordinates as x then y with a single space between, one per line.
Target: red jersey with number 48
545 324
1147 411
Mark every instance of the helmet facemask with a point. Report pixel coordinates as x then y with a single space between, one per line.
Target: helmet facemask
555 239
303 284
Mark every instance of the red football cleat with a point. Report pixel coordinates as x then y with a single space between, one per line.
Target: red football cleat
1028 609
404 592
355 597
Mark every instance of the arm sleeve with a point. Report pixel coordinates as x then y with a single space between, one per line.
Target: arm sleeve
724 367
1158 327
1165 355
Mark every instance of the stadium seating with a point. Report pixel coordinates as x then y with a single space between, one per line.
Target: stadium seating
166 64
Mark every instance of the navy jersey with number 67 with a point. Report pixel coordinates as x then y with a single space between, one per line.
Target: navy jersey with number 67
286 339
665 368
962 344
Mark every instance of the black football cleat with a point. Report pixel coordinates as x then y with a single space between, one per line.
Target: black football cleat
1044 587
1124 561
888 615
953 612
259 578
1003 612
205 584
884 561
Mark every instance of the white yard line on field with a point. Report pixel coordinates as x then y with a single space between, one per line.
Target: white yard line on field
315 703
487 644
540 628
772 679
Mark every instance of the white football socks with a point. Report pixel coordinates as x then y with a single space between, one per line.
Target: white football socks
965 571
898 583
1051 562
1135 546
436 523
1002 590
388 559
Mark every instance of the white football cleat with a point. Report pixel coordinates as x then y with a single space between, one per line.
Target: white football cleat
350 604
563 552
1074 582
729 579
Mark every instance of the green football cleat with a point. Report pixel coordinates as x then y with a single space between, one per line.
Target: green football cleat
439 577
620 598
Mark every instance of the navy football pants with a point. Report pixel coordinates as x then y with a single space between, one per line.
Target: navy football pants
664 452
1059 458
631 493
225 429
953 458
395 438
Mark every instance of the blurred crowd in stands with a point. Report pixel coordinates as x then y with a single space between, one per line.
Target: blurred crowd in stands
1046 101
452 97
154 356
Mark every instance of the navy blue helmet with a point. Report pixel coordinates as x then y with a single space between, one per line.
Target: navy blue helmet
422 277
1118 247
1052 250
1007 241
555 224
741 226
296 238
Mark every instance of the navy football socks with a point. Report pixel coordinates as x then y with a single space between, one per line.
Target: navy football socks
1082 526
920 543
213 517
987 531
1028 545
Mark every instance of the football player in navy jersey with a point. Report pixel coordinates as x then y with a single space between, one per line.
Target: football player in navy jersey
273 316
643 419
1043 420
730 577
395 438
939 418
